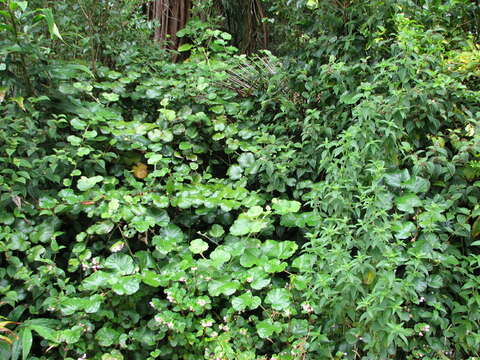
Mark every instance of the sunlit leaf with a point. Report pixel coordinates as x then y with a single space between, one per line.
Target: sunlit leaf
52 26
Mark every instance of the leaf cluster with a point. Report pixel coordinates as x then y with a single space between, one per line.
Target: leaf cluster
151 210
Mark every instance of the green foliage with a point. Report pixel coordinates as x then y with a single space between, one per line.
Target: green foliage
147 211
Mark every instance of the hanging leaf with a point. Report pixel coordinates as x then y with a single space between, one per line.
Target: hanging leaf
476 228
19 100
369 277
185 47
52 27
3 91
4 329
26 338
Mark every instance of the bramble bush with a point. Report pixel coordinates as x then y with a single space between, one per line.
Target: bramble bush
324 207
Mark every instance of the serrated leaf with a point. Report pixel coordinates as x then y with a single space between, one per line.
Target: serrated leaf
417 184
304 262
408 202
396 178
350 98
404 229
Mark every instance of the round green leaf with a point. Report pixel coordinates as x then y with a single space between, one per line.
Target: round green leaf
85 183
198 246
246 160
278 298
220 256
283 207
216 231
121 263
266 328
235 172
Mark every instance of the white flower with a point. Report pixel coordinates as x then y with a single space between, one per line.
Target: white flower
170 297
117 247
307 307
201 302
207 323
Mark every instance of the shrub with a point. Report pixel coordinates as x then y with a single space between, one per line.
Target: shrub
161 211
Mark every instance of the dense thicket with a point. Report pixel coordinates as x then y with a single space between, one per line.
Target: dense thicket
319 203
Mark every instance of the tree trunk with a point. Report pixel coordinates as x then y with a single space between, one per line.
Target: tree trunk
172 16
